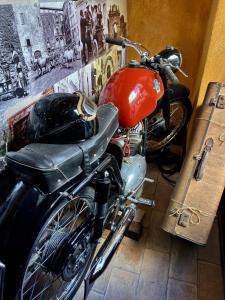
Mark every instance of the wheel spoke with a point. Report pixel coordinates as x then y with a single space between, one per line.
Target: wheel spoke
38 280
82 209
177 118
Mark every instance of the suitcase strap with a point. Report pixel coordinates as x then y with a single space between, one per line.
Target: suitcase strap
199 172
187 215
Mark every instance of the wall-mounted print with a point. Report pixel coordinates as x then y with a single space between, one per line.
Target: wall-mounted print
69 84
81 80
117 18
92 19
103 68
90 79
44 42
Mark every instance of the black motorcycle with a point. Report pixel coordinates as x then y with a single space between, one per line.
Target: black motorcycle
80 173
58 193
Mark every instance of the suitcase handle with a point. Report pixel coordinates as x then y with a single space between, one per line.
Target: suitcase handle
203 159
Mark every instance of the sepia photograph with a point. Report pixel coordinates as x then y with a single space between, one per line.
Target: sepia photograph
103 68
117 18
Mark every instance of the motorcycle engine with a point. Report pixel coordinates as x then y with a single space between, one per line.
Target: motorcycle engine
134 165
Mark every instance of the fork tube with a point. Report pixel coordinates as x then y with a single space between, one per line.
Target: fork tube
166 102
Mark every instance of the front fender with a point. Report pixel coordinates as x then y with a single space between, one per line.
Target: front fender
178 91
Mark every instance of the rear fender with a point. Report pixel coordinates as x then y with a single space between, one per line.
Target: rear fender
7 182
22 206
22 214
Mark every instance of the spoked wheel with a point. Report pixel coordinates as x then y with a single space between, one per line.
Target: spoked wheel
158 135
50 272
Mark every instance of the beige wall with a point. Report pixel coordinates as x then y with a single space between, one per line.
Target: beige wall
181 23
212 66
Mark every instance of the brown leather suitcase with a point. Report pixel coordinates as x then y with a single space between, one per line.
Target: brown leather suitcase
198 191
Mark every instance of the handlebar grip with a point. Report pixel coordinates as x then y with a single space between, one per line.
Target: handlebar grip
170 74
118 42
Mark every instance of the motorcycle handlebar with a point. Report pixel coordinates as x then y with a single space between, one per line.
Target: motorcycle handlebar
118 42
170 74
165 67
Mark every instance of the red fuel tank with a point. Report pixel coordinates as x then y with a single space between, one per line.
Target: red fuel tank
135 92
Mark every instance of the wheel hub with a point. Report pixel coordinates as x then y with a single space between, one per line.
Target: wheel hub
67 261
76 260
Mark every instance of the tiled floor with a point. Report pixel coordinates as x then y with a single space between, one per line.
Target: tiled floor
159 266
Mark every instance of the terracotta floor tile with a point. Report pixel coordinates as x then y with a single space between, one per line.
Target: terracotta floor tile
95 296
92 296
149 189
210 282
155 266
183 264
211 252
122 285
159 266
178 290
157 239
208 272
130 254
148 290
152 172
162 196
101 283
147 218
157 218
173 177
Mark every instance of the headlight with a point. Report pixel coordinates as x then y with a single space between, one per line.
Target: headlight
173 55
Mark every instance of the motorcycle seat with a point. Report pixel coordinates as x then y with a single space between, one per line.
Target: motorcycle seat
49 166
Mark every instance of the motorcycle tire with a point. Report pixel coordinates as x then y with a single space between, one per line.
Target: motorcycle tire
158 136
38 281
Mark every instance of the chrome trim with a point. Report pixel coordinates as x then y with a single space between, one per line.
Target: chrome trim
2 279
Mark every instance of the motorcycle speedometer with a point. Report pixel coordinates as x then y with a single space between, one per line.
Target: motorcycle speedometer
173 55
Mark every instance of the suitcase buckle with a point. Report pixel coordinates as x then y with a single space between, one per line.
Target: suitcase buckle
213 102
221 102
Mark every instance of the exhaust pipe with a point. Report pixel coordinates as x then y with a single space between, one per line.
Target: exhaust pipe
108 248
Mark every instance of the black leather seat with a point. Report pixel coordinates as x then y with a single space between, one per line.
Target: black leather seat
49 166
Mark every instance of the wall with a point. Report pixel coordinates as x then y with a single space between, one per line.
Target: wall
212 67
181 23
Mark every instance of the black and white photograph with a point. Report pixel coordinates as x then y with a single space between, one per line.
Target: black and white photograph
81 80
93 26
91 79
69 84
